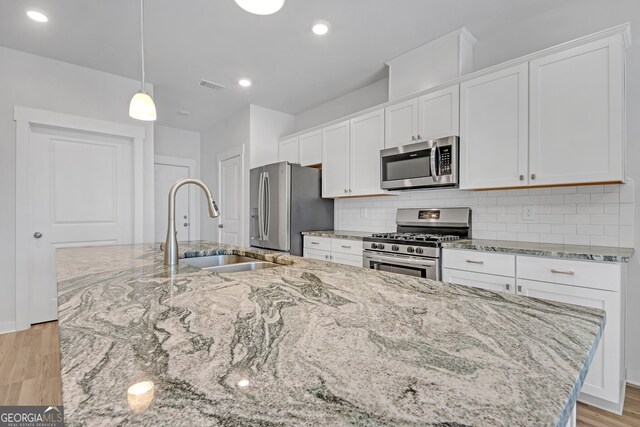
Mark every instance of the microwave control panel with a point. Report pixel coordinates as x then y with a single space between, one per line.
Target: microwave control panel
445 160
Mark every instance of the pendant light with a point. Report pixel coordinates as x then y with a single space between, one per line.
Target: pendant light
261 7
142 106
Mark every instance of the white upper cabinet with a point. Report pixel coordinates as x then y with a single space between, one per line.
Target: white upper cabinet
310 148
401 123
335 160
367 139
439 114
494 129
288 150
576 117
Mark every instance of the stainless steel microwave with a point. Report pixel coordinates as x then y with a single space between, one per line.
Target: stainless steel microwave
431 163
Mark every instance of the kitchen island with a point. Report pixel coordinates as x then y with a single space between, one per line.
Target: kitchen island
307 343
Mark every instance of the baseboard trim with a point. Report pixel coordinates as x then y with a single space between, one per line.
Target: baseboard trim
633 377
634 383
606 405
7 327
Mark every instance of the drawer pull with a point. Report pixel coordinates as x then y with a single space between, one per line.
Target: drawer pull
346 247
315 243
568 273
507 287
471 261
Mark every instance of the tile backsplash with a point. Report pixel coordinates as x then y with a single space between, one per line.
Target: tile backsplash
600 215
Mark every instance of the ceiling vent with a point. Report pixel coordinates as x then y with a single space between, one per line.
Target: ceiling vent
211 85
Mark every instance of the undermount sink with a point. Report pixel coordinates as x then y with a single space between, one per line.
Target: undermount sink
227 263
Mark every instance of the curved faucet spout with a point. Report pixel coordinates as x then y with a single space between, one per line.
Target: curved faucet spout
171 242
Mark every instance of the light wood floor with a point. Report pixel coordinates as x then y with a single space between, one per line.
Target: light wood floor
30 375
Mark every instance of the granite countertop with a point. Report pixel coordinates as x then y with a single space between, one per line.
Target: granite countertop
578 252
339 234
307 343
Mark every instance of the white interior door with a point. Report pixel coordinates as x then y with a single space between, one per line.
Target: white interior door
168 170
231 172
81 194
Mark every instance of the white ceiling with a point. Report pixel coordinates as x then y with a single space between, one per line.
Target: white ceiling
292 69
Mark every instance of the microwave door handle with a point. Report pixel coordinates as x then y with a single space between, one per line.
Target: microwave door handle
433 155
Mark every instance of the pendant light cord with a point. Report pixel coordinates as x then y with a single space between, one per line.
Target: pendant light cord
142 38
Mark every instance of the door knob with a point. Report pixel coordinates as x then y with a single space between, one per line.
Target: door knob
37 234
220 226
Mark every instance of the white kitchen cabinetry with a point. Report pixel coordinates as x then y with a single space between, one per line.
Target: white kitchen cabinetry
401 123
584 283
439 114
576 115
367 139
335 160
340 251
430 116
310 148
288 150
494 129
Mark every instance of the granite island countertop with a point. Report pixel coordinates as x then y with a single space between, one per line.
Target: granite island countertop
339 234
307 343
550 250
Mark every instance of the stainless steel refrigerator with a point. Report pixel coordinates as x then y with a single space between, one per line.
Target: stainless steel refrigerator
286 199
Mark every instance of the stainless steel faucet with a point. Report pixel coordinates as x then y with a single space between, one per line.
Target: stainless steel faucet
171 243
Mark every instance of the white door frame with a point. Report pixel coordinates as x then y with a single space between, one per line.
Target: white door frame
25 118
194 202
221 157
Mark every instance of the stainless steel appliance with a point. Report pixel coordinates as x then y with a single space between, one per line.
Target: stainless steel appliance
286 199
415 249
431 163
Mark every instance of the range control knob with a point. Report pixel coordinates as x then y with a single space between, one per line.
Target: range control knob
374 246
410 249
380 246
419 250
395 248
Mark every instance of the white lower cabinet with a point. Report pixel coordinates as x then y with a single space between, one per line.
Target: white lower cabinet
340 251
585 283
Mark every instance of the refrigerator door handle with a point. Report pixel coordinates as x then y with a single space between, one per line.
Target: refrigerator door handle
267 196
261 206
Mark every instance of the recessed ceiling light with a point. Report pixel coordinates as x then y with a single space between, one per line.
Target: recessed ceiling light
37 16
261 7
244 82
321 28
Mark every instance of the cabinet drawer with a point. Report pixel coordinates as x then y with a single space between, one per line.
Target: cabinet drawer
347 247
585 274
319 243
480 262
316 254
489 282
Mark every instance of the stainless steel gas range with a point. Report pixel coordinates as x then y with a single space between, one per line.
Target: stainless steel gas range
415 249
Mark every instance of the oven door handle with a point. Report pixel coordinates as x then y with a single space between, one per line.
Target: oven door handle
410 262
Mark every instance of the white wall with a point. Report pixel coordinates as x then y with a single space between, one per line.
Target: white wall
32 81
368 96
232 132
265 127
176 142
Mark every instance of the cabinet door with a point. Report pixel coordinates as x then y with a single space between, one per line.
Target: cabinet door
367 139
310 146
494 130
489 282
603 379
335 160
577 102
288 150
401 123
317 254
353 260
439 114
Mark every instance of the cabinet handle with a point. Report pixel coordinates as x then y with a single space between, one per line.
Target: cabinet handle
315 243
326 257
413 138
521 177
520 288
507 287
471 261
346 247
345 191
567 272
349 191
418 138
533 176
